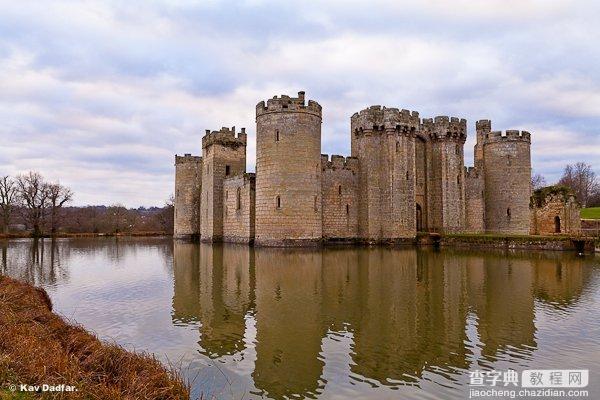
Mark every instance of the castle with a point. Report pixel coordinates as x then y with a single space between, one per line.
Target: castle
405 175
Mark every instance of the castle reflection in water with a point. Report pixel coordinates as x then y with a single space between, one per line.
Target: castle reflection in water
405 311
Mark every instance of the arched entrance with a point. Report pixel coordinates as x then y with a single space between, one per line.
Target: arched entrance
419 218
557 224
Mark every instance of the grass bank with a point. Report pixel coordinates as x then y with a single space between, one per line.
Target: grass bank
39 347
590 213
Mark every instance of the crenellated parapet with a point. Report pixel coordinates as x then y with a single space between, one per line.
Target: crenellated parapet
285 103
225 137
445 128
339 163
507 136
377 118
187 158
483 125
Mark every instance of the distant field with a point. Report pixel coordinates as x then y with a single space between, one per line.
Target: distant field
590 213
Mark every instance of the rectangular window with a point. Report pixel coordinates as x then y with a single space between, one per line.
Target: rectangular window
227 170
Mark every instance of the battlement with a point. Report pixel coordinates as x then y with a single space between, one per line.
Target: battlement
225 137
509 135
285 103
444 127
377 118
338 162
483 125
187 158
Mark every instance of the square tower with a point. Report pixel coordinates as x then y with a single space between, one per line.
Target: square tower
224 155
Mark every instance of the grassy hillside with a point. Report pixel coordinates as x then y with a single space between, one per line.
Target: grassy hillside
590 213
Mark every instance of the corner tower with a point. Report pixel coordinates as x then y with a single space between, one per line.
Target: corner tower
188 181
224 155
288 171
507 171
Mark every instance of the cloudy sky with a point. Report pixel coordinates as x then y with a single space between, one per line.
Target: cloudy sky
100 95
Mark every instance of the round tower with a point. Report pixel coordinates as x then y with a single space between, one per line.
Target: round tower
288 171
507 172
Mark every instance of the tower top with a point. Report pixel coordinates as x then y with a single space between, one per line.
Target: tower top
225 137
444 127
376 118
285 103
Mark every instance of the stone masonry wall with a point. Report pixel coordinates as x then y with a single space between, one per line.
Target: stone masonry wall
288 172
474 201
224 155
238 208
543 215
188 180
339 196
507 174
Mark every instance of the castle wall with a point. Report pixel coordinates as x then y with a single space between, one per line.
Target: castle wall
238 208
188 181
507 173
224 155
421 194
474 200
339 196
288 172
544 214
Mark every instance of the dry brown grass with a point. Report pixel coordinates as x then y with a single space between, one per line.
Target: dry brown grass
37 346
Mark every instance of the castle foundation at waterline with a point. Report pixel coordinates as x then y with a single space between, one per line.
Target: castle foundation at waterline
404 175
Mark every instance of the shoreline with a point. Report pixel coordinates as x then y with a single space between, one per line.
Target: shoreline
38 347
581 244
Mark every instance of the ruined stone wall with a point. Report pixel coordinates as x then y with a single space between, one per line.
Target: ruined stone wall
238 208
507 174
188 181
474 201
224 154
383 140
288 171
446 190
555 214
339 196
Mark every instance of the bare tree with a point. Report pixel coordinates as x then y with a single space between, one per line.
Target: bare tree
58 195
33 197
8 199
117 214
582 179
538 181
166 215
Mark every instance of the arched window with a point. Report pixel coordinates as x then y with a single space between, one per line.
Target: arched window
397 147
278 202
277 135
347 209
406 175
508 213
238 199
457 150
227 170
340 190
458 179
557 224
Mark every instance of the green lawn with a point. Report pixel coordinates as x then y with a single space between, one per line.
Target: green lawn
590 213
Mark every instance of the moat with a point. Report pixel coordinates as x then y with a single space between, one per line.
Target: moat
369 323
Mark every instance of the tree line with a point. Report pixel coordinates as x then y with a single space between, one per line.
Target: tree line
28 202
581 179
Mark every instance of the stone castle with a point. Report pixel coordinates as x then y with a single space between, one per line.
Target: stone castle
405 175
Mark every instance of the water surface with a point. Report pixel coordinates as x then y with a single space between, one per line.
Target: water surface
366 323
